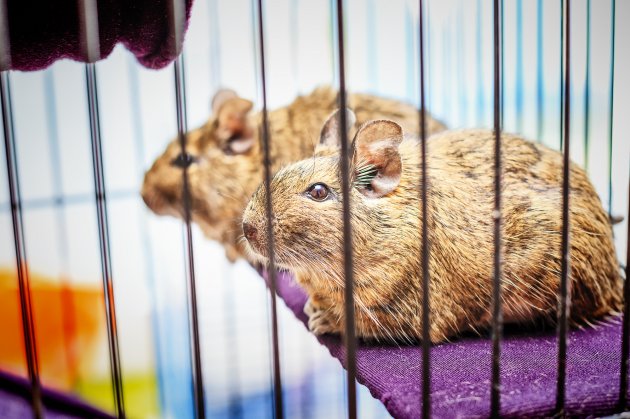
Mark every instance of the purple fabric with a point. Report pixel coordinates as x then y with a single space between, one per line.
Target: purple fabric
15 402
460 382
42 32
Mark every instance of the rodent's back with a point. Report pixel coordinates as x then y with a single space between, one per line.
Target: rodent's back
461 167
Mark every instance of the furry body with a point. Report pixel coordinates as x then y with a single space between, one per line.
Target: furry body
387 242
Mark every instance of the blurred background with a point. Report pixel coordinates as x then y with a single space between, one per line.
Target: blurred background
138 120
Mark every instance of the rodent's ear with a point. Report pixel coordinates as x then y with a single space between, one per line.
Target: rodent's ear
220 97
233 128
377 162
329 135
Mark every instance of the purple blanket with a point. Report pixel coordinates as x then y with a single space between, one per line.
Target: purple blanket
42 32
15 402
460 381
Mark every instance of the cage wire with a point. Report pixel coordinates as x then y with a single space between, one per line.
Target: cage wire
78 137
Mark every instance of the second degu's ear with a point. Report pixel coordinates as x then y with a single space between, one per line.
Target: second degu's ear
329 136
232 125
377 162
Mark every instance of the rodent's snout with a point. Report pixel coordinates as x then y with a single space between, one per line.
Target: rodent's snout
250 232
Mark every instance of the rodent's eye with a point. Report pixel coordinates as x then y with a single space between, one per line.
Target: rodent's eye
183 160
318 192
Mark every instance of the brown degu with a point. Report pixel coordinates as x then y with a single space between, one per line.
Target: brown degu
224 156
386 234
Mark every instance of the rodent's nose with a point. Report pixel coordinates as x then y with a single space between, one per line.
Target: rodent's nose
250 231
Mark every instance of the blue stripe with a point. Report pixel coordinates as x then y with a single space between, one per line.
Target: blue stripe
372 46
410 55
138 134
540 93
481 101
519 94
587 87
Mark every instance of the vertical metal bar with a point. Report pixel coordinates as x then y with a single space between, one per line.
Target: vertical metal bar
560 90
611 97
430 65
587 87
88 16
24 288
103 235
5 45
426 341
277 376
625 336
563 303
193 312
177 20
350 337
540 84
28 326
497 315
502 60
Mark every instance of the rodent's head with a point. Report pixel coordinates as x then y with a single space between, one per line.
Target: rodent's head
307 199
225 146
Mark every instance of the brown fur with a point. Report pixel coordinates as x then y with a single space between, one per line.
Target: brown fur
221 183
387 243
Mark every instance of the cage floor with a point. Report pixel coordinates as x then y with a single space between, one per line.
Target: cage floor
460 382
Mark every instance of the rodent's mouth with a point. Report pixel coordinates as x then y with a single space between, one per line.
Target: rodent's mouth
253 252
160 204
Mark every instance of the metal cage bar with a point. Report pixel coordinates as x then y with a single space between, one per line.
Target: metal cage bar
564 292
350 335
611 103
191 284
264 132
103 234
24 289
426 342
177 21
497 315
88 16
587 88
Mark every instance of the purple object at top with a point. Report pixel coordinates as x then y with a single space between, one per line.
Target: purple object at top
41 32
460 383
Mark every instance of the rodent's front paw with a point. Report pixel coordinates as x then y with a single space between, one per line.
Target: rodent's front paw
321 322
309 308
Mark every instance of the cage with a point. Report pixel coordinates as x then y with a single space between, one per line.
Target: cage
137 315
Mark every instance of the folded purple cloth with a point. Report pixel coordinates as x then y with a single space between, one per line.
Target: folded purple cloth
42 32
15 401
460 380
